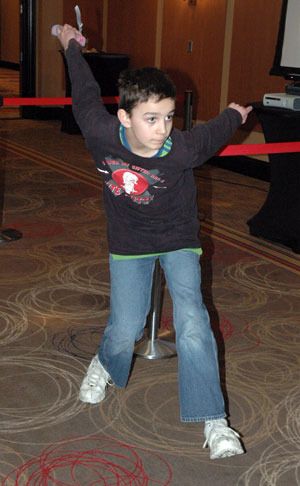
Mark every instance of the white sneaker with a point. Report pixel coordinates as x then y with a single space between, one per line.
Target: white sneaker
94 384
221 439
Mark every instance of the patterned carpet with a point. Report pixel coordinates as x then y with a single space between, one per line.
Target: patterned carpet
54 303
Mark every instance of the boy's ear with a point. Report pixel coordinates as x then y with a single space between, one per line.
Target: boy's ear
124 118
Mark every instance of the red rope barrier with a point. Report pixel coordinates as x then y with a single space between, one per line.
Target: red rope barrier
260 148
16 101
49 101
245 149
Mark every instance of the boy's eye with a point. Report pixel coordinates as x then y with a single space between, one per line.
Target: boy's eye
151 119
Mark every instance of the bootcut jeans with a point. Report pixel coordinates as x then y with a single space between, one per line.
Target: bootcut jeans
200 394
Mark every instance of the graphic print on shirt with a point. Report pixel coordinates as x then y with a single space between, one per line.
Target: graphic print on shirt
131 180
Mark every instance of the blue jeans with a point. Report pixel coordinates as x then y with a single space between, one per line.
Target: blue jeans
200 394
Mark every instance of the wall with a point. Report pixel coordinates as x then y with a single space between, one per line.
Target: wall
9 31
92 18
200 70
233 43
254 38
49 66
50 78
131 29
233 48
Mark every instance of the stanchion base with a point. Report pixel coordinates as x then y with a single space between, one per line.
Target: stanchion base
9 234
157 349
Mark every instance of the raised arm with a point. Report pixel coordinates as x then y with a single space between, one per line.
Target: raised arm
88 108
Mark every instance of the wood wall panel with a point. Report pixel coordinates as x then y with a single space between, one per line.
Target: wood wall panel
92 17
254 39
49 65
200 70
132 30
10 31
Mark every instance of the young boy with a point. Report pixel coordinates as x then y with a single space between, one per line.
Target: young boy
150 201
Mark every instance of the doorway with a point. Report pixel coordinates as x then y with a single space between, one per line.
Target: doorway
28 54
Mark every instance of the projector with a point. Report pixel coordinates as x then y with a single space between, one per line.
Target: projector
282 100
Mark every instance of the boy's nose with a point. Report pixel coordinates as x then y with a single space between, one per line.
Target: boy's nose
161 128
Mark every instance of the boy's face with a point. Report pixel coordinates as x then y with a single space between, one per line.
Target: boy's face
149 125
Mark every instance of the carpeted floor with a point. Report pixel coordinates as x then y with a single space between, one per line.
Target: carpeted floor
54 304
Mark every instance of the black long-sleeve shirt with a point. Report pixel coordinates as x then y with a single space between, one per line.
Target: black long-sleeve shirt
150 202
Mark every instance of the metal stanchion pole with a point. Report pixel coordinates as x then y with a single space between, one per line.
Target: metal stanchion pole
152 347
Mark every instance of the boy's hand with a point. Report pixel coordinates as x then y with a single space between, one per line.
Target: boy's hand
243 110
67 33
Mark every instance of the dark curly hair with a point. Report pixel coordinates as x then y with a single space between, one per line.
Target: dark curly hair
138 85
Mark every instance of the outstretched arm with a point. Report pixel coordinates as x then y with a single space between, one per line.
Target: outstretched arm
243 110
209 137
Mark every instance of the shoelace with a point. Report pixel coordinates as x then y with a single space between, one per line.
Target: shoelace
94 379
223 433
